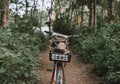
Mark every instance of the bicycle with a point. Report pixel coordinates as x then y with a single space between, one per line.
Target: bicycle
60 54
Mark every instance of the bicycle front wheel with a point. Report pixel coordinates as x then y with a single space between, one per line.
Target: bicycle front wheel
58 76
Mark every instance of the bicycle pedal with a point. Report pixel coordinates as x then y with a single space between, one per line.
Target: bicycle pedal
50 70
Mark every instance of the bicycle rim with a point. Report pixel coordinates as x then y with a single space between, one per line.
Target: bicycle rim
58 76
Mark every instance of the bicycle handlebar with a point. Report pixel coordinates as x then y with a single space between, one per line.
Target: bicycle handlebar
65 36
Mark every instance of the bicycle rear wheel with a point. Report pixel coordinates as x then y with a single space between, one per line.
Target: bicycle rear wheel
58 76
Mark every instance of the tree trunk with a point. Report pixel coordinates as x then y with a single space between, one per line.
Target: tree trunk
41 14
26 11
16 15
59 8
69 10
81 25
71 14
119 11
91 18
5 13
111 11
94 14
0 11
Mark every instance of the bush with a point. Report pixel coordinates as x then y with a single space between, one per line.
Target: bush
63 26
19 56
103 50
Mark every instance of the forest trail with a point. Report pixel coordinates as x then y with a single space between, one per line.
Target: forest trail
76 71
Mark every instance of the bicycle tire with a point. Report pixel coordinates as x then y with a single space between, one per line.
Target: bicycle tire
58 76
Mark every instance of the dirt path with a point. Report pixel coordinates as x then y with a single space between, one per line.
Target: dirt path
76 71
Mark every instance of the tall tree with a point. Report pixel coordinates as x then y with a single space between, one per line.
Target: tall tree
0 10
81 25
111 11
41 14
5 13
94 12
92 18
81 3
119 10
27 5
103 4
16 10
59 8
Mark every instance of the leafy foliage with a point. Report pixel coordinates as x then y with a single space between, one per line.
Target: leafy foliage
103 50
25 24
62 25
19 56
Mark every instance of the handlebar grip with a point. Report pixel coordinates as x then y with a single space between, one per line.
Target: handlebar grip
48 32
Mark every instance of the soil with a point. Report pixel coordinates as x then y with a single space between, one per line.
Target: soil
76 72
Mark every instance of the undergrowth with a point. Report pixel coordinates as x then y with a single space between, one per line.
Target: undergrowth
102 49
19 56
